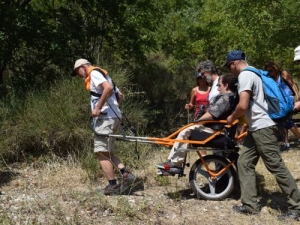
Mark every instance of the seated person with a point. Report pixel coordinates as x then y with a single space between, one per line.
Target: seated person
219 109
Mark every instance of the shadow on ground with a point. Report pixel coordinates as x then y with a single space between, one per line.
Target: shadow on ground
137 185
7 176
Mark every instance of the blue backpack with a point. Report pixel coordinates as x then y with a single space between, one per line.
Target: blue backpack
280 105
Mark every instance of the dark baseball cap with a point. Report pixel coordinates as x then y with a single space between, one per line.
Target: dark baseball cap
234 55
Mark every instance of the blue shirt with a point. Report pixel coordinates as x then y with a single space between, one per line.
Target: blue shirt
284 86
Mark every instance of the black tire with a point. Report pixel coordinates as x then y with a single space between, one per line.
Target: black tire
206 188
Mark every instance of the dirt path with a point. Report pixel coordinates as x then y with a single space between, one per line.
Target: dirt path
60 193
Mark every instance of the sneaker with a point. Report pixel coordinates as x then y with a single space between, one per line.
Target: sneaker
166 165
170 172
110 190
161 172
290 215
284 148
244 210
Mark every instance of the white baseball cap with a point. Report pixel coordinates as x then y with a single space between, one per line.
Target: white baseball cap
78 63
297 53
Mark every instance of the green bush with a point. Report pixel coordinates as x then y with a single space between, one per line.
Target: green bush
54 121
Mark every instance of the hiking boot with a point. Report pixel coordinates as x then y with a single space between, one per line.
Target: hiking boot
290 215
244 210
166 165
110 190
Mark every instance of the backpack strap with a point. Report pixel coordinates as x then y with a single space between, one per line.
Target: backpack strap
256 71
95 94
114 85
104 75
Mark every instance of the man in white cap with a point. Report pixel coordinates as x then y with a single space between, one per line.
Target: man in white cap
297 60
107 116
297 54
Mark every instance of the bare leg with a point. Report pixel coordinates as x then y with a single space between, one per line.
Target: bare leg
295 131
203 152
108 161
286 137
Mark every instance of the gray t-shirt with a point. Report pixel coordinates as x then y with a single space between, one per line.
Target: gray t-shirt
256 114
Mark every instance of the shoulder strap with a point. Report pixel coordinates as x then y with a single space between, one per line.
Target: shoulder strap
114 85
252 69
104 75
101 71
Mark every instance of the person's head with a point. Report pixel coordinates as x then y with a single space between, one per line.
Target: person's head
227 83
201 80
80 68
235 61
297 54
273 69
207 68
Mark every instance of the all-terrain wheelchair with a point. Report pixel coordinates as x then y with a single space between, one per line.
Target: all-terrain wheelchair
211 177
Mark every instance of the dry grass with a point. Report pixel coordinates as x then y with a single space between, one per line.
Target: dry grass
60 192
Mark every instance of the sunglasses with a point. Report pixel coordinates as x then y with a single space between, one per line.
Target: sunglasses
200 76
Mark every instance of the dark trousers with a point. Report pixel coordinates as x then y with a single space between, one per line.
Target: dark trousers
263 143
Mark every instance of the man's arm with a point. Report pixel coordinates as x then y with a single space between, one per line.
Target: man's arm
288 78
241 106
206 115
121 97
297 106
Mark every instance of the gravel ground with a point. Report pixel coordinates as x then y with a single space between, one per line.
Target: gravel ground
61 193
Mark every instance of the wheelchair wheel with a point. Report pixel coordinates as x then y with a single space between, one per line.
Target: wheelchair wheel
207 188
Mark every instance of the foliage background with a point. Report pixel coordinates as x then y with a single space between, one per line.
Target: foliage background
150 48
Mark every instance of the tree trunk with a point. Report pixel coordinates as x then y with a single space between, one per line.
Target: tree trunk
1 75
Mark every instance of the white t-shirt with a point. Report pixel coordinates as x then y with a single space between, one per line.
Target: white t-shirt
256 114
214 92
111 107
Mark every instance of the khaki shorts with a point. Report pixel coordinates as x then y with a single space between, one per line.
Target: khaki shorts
106 126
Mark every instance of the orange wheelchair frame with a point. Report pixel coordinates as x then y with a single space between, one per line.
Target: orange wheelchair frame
211 177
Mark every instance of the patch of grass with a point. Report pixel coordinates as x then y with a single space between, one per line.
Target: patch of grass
90 165
163 180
